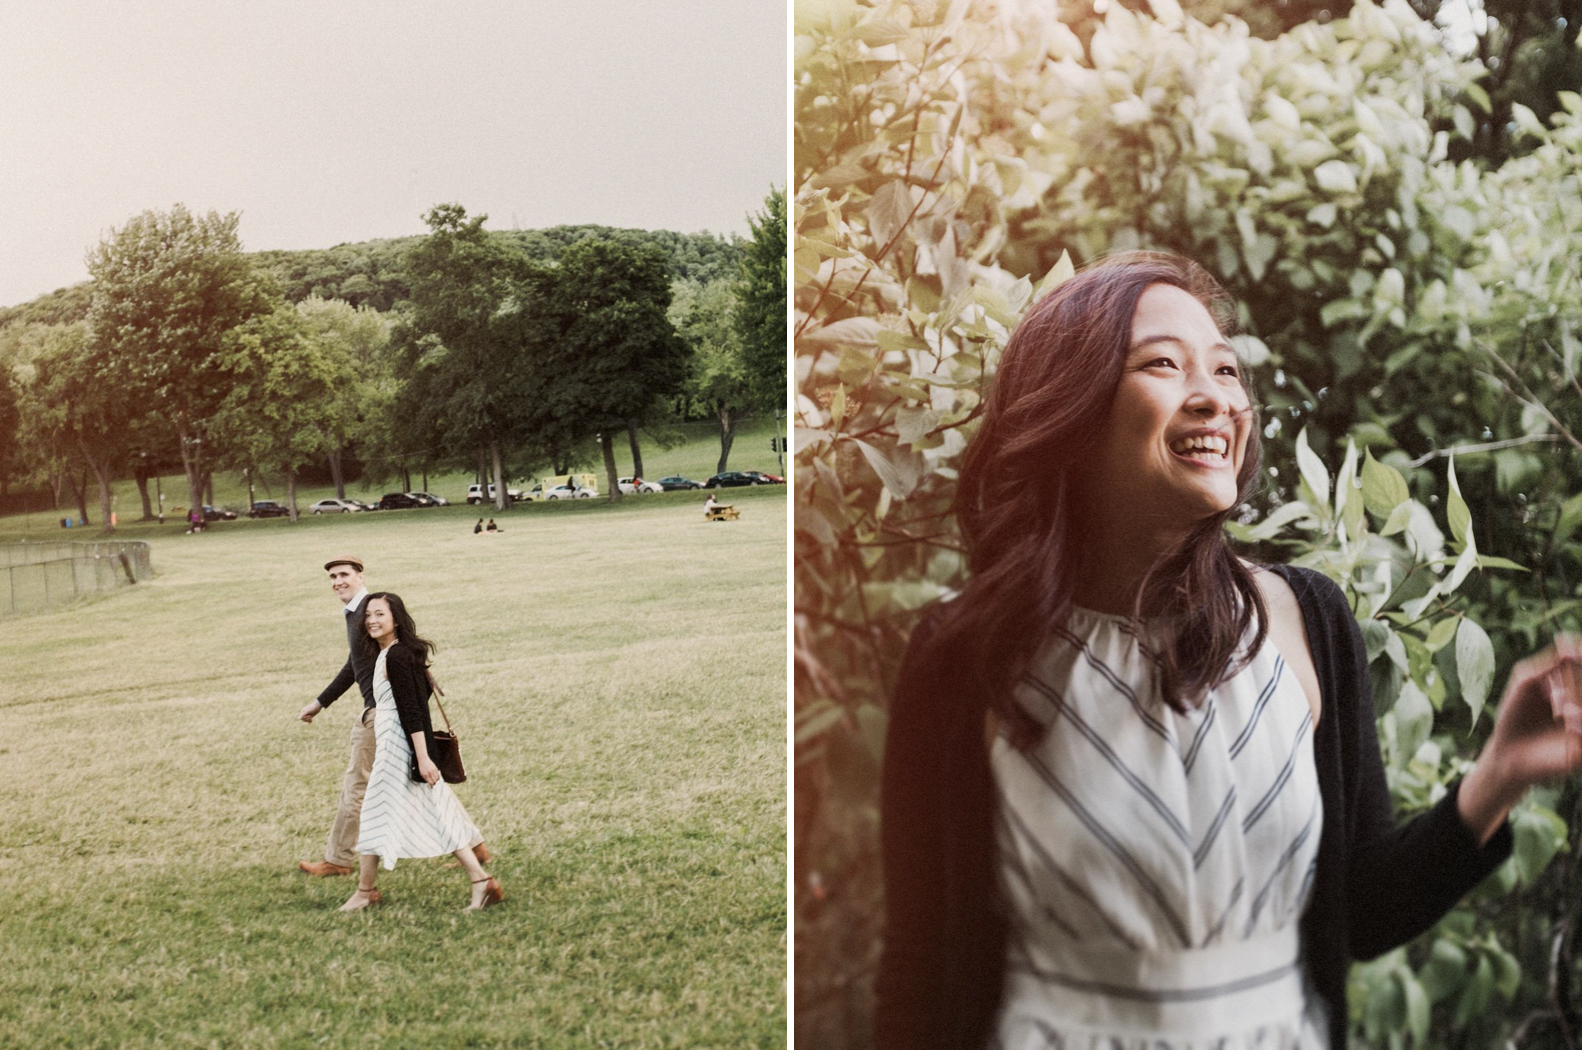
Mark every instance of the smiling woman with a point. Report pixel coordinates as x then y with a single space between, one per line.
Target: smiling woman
1132 791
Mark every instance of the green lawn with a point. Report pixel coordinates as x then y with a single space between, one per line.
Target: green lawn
617 677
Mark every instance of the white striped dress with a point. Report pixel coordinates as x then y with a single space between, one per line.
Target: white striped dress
1156 865
400 817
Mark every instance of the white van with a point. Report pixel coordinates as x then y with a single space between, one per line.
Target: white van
476 495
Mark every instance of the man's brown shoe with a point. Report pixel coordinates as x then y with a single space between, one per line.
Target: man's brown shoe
322 867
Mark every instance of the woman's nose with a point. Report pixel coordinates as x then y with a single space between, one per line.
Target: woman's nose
1207 398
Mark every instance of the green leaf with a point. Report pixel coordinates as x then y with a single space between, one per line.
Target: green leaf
1058 274
1442 632
1383 488
1456 508
1312 469
1570 518
1539 835
1507 972
1489 561
816 719
1417 1007
1376 635
1475 996
1464 123
1400 517
1446 970
1476 93
1474 665
1414 718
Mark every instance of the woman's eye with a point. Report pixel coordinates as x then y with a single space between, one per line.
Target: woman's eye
1160 362
1230 370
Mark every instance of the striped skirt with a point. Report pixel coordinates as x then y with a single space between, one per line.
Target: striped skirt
400 817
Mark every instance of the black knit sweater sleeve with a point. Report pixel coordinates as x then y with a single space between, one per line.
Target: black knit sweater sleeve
907 990
941 967
1400 879
409 683
343 681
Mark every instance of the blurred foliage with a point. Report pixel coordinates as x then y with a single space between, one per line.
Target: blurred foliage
1402 307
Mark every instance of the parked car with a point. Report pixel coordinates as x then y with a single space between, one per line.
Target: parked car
629 486
335 506
731 479
268 508
430 499
365 505
676 481
216 514
397 501
566 492
475 494
767 479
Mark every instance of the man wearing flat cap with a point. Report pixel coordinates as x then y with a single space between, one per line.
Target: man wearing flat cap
340 853
340 850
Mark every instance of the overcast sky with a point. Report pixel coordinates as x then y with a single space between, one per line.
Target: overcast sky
331 121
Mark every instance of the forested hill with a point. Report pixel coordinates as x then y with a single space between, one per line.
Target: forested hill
372 272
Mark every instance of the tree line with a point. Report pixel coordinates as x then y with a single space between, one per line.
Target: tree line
495 351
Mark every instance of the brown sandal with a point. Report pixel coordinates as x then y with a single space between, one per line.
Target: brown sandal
372 896
492 893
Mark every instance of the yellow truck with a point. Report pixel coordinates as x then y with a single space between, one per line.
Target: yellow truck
565 486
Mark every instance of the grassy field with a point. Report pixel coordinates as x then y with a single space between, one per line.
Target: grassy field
616 675
696 457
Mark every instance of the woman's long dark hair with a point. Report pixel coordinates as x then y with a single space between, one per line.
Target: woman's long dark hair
406 629
1018 508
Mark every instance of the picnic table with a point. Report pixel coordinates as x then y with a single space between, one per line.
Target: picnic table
722 512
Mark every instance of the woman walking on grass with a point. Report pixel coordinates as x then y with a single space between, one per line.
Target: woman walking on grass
400 817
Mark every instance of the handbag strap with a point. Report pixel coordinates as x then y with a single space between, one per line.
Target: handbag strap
435 697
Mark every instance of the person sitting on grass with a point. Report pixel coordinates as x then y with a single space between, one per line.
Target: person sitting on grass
478 528
492 526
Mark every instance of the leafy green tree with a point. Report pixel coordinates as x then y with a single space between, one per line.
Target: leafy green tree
287 385
167 289
10 436
614 351
462 342
76 414
761 306
704 317
358 338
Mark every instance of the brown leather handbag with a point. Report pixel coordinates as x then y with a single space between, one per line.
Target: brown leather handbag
444 751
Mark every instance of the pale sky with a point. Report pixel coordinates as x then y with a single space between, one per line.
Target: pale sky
332 121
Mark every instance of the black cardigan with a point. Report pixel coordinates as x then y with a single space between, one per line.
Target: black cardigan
941 970
408 675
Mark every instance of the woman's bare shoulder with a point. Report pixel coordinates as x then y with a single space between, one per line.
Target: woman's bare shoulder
1287 631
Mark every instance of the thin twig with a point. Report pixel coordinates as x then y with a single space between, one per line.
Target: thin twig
1490 446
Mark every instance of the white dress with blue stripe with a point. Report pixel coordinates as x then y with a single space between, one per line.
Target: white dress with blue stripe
400 817
1155 864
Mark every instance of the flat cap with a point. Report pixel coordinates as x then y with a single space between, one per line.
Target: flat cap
345 559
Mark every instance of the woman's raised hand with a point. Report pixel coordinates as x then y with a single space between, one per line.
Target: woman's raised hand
1537 735
1538 731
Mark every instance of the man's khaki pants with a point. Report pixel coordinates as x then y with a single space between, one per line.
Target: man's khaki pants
342 845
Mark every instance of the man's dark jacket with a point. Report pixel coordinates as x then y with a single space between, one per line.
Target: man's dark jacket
359 666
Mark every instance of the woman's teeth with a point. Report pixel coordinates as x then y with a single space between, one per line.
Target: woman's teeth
1203 443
